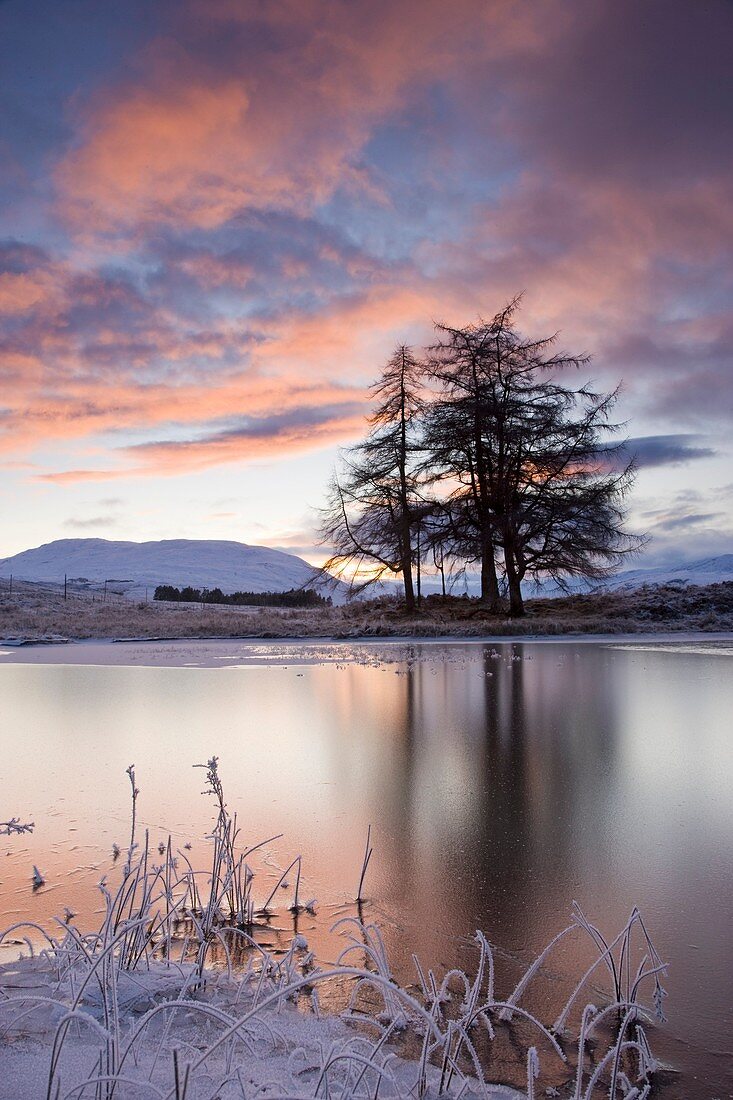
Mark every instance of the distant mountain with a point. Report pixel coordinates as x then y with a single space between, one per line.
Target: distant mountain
701 572
131 567
134 566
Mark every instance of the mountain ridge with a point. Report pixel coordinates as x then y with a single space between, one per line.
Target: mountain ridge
229 565
135 566
701 571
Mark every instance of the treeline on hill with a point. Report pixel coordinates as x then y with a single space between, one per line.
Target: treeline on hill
478 454
294 597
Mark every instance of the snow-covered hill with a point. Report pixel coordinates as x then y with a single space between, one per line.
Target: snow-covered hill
232 566
134 566
704 571
701 572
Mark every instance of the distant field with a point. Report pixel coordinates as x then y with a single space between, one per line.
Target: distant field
36 613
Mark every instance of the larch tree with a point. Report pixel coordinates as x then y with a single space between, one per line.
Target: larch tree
520 457
373 503
564 512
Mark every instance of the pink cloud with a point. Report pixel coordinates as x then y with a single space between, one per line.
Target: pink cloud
176 457
255 116
210 126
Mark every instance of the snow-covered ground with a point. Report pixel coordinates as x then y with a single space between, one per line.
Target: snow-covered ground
233 1038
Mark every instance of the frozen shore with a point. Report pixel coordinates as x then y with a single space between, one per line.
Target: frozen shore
231 653
134 1009
180 992
229 1039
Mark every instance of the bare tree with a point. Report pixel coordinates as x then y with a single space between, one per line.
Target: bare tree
519 457
564 514
518 464
373 504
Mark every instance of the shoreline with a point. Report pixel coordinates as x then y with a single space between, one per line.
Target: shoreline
38 620
227 652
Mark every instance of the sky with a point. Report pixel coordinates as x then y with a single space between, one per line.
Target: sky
219 217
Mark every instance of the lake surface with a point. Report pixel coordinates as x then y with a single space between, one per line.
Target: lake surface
502 782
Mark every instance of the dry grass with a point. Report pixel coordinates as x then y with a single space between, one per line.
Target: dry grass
35 614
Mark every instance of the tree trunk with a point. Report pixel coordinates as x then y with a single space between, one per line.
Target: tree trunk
417 567
489 581
516 602
407 568
409 590
404 499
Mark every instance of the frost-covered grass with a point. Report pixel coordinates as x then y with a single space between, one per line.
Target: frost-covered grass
36 614
173 996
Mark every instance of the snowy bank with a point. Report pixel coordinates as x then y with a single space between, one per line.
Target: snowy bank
151 1034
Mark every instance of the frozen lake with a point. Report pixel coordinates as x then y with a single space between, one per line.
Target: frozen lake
502 782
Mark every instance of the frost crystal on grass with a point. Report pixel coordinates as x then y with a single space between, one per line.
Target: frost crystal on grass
172 996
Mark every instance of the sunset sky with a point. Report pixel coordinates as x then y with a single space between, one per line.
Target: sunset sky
219 216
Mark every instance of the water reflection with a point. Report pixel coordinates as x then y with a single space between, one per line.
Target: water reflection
499 775
502 783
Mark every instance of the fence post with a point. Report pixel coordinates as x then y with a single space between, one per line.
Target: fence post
11 585
64 586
